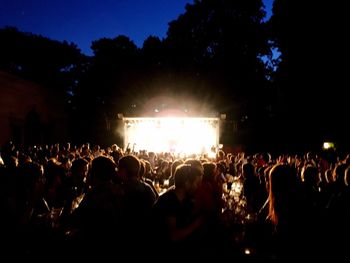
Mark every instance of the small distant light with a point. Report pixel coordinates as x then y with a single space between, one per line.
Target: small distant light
247 251
156 110
328 145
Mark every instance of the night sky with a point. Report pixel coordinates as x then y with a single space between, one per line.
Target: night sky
82 21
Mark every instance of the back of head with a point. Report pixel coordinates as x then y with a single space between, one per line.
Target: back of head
266 157
29 174
102 169
186 173
209 171
282 190
309 175
195 164
78 164
283 180
248 170
175 164
130 165
142 170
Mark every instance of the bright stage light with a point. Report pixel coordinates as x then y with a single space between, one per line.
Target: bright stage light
177 135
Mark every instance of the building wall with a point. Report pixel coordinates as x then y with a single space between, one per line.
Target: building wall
18 98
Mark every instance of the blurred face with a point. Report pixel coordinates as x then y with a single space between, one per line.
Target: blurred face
83 171
68 165
40 183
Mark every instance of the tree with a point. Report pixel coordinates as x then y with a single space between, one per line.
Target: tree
105 88
221 41
311 38
53 64
215 48
37 58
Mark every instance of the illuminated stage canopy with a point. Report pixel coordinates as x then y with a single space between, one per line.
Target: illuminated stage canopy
176 135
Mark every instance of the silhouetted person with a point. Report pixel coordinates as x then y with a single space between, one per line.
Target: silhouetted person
175 221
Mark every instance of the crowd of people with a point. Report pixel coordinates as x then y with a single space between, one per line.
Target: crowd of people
88 201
